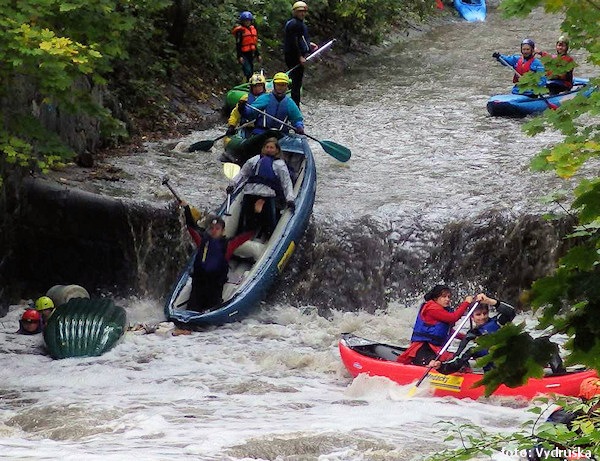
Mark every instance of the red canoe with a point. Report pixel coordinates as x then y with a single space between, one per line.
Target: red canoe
364 356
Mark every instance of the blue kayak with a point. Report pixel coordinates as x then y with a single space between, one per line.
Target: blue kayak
256 263
471 10
518 105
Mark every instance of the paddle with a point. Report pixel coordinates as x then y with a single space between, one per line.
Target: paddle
206 144
195 212
230 170
313 54
443 349
550 105
334 149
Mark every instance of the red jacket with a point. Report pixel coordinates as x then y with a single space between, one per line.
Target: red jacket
432 312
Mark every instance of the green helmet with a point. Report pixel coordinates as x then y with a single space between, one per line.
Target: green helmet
44 303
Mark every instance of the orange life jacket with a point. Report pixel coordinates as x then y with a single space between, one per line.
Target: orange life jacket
249 37
522 67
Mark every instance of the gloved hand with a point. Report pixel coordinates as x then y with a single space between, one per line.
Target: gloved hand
230 190
495 55
291 205
242 104
299 130
230 130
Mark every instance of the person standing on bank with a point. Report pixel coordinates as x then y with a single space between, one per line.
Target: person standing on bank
296 47
246 43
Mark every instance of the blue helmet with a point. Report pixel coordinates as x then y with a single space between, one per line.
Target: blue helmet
529 42
246 15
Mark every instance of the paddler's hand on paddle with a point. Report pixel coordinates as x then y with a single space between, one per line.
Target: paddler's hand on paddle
230 130
469 299
291 205
229 190
242 105
314 47
299 130
183 204
495 55
434 364
302 60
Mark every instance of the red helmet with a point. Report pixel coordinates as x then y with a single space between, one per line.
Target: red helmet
31 315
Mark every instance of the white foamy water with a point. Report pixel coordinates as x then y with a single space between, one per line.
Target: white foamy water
271 387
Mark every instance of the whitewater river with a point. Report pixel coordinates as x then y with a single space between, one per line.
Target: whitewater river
273 387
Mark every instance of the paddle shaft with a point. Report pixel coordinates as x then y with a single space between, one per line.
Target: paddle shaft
291 127
550 105
447 345
337 151
313 54
166 183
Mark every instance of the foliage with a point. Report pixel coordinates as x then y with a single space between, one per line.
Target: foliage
46 47
545 439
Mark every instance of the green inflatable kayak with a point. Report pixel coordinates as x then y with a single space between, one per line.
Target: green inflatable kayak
84 327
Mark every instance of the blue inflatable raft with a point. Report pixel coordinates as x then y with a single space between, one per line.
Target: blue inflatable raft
255 264
471 10
518 105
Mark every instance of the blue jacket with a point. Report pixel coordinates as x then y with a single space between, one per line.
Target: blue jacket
536 66
285 109
296 41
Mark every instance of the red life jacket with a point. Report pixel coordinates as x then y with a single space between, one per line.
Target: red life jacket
522 67
249 37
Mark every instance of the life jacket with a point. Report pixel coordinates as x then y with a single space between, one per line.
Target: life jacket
568 79
276 108
522 67
264 174
249 37
211 257
491 326
243 119
436 333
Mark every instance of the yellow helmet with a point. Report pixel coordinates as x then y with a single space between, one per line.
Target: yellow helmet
299 6
257 79
44 303
282 77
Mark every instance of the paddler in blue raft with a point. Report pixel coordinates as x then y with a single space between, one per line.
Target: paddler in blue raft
523 63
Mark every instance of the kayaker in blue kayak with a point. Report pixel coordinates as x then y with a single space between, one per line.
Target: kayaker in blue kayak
266 177
246 43
258 86
277 104
523 63
211 264
561 82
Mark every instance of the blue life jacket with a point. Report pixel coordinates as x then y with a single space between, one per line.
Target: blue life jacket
264 174
276 108
491 326
211 257
436 333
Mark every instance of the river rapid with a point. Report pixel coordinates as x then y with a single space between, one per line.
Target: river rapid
427 159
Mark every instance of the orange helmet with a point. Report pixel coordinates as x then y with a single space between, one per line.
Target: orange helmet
589 388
